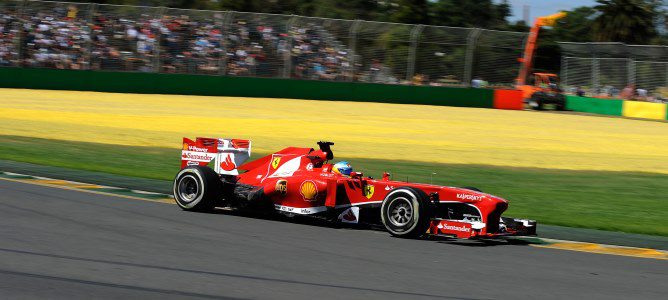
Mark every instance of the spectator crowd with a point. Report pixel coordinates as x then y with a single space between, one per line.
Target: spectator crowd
174 41
84 36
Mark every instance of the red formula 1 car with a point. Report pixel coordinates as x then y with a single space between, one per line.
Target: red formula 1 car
300 181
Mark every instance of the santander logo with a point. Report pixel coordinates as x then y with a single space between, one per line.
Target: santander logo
228 164
195 156
445 226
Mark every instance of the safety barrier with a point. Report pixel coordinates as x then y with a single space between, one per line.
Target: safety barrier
190 84
617 107
508 99
644 110
611 107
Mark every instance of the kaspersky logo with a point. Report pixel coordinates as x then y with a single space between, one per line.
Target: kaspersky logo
469 197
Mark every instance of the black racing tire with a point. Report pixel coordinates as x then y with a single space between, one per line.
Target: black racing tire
197 188
561 103
406 212
536 101
472 188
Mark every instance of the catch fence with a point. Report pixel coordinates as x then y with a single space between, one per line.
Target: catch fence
88 36
607 68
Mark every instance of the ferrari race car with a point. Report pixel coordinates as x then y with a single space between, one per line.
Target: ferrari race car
300 181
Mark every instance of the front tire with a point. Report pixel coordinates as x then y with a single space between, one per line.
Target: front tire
406 212
197 188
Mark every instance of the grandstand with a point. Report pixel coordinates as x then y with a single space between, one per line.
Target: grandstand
86 36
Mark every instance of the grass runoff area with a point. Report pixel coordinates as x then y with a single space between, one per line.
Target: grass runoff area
633 202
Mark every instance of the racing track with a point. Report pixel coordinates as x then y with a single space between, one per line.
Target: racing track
57 243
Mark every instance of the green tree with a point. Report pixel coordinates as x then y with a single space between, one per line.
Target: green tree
576 26
351 9
470 13
628 21
411 11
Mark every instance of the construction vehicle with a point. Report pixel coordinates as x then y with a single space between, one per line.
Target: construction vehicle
545 88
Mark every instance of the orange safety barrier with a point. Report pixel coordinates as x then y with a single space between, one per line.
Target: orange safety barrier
508 99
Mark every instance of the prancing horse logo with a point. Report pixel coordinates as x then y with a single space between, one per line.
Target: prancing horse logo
368 191
275 162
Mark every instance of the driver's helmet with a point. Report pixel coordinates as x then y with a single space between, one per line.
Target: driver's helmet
343 168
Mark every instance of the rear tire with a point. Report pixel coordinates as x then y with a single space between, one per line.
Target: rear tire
197 188
406 212
561 103
536 101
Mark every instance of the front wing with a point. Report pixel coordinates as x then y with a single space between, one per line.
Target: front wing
472 230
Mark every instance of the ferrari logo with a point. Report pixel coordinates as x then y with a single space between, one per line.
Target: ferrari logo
368 191
275 162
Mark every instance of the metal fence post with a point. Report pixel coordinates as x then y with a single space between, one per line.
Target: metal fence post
415 35
89 46
224 33
18 40
158 36
287 60
564 71
352 36
470 49
630 70
594 73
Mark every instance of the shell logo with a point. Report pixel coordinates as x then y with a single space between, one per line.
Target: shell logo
185 146
309 190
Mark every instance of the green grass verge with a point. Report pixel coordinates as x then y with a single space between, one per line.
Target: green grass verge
615 201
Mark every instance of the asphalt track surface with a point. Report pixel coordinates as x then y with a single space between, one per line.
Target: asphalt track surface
65 244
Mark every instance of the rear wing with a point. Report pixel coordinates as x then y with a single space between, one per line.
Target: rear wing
227 154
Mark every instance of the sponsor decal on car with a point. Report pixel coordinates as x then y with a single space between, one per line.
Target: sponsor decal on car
192 163
185 146
197 149
445 226
228 164
197 156
298 210
275 161
282 187
308 190
368 191
469 197
389 187
309 167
